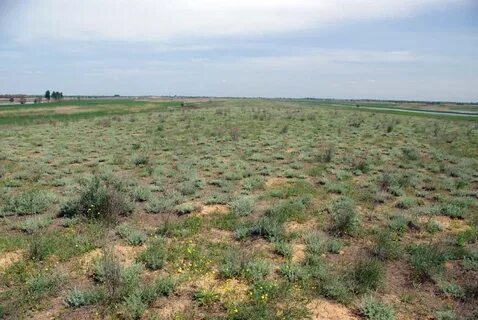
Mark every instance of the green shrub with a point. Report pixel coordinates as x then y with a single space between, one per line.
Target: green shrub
252 183
263 292
43 284
452 210
282 248
140 160
99 201
315 243
336 187
452 290
396 191
141 194
345 219
374 309
366 275
34 224
38 248
398 223
231 265
406 203
188 187
164 286
181 228
288 210
132 236
164 204
218 198
336 288
293 272
28 203
426 261
79 298
328 154
154 257
133 306
242 206
118 282
334 245
386 247
446 315
255 270
184 208
470 262
206 297
433 226
410 153
267 228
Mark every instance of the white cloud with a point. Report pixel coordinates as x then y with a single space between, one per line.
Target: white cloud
328 56
163 20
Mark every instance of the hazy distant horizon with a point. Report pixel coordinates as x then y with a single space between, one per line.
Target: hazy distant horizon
410 50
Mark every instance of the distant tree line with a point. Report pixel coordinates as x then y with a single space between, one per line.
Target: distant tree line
56 96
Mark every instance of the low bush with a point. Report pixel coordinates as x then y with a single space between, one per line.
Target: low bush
282 248
433 226
206 297
452 210
242 206
255 270
293 272
334 245
132 236
288 210
373 309
78 298
29 203
140 160
164 204
452 290
470 262
141 194
118 281
34 224
398 223
43 284
426 261
345 219
366 275
267 228
133 306
100 201
154 257
184 208
386 246
234 265
38 248
410 153
335 287
446 315
406 203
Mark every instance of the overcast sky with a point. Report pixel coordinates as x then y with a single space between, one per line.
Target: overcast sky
386 49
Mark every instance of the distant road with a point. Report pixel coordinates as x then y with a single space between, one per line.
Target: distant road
419 111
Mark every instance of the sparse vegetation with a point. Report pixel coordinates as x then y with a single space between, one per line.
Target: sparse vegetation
235 209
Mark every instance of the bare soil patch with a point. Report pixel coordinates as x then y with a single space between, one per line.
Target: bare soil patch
325 310
216 208
9 258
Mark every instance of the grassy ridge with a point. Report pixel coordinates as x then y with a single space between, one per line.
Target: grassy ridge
89 109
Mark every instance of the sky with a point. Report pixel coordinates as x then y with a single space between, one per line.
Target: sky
377 49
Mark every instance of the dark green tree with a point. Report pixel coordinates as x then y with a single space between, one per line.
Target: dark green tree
47 95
